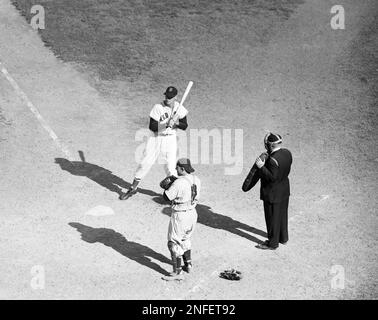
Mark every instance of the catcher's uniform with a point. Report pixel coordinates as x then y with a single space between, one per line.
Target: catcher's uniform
164 143
184 194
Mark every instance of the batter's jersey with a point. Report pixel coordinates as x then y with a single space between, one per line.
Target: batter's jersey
184 192
161 113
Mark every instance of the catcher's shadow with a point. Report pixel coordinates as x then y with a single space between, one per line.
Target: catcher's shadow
99 175
209 218
132 250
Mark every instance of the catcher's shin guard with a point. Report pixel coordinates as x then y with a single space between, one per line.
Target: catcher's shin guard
187 257
177 273
178 265
174 265
187 261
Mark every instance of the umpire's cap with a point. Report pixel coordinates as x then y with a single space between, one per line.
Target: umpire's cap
272 139
185 163
171 92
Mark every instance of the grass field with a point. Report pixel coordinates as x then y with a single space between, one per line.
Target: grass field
134 40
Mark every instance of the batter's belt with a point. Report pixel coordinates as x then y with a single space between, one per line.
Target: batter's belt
166 134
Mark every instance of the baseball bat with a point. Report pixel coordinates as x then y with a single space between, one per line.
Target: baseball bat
188 87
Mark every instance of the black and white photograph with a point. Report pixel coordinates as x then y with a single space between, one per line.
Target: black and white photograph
188 150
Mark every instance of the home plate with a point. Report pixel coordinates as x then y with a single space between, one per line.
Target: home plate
100 211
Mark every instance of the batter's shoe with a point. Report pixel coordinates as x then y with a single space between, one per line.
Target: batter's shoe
173 276
128 194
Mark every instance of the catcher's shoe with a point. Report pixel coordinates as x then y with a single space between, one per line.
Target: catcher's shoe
128 194
187 268
174 276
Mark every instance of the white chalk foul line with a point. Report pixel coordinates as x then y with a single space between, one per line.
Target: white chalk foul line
35 111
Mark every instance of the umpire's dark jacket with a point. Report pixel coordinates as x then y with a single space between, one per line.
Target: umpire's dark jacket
275 185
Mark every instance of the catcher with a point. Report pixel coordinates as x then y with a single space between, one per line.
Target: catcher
183 193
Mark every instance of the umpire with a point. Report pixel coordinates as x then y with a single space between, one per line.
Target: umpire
275 190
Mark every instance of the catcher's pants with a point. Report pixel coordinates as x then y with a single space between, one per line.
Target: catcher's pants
164 146
276 222
180 229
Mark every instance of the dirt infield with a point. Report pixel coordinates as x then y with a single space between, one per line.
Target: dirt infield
94 73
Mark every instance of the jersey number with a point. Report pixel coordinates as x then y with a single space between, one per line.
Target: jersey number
164 116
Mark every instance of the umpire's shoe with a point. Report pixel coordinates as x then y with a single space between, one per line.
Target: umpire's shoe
128 194
265 247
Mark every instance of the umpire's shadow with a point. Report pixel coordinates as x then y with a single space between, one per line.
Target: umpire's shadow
209 218
102 176
132 250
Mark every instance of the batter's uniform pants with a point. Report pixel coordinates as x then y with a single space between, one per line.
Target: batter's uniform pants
276 222
163 146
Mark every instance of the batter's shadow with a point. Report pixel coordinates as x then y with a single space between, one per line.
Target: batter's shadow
102 176
209 218
132 250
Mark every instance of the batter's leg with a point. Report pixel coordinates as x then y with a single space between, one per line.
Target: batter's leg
151 152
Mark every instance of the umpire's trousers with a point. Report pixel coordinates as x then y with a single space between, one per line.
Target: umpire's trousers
276 222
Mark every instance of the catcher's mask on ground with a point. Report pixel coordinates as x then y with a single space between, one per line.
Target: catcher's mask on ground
185 164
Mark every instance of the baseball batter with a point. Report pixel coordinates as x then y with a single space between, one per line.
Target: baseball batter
184 194
165 119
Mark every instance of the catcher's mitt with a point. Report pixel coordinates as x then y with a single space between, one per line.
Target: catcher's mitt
231 274
167 182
